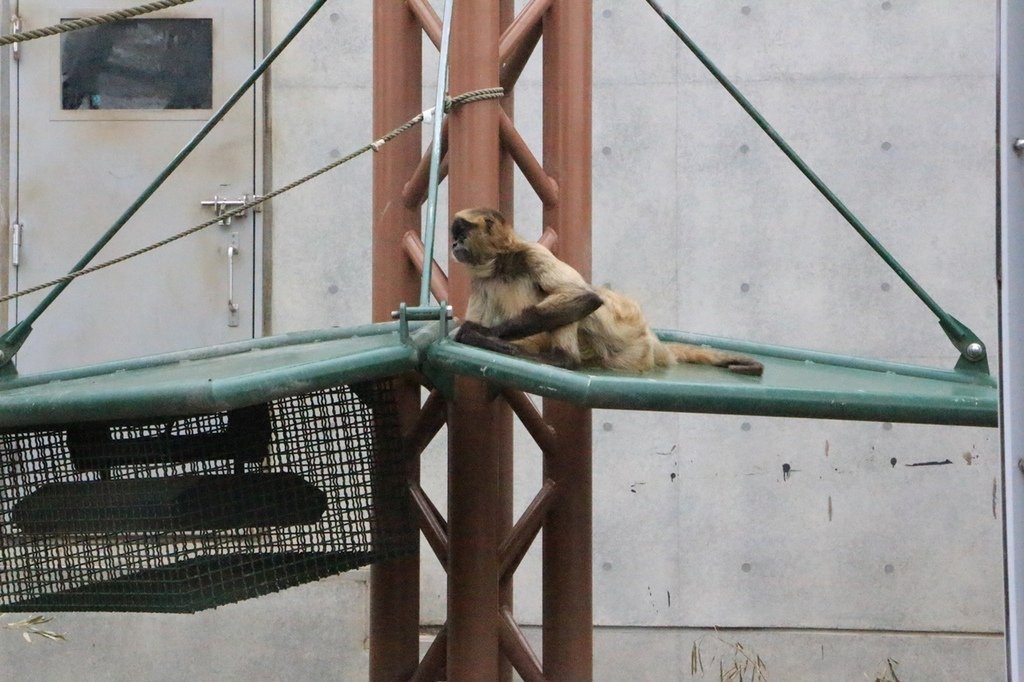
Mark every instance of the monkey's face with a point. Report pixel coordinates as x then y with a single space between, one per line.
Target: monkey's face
461 230
474 235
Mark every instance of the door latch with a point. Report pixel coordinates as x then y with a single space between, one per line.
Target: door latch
222 206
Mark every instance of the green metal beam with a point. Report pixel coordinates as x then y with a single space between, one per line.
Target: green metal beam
973 356
435 153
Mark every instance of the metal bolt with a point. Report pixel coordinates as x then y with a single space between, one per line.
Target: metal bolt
1018 146
974 351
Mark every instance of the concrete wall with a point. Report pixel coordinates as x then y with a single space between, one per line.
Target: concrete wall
854 558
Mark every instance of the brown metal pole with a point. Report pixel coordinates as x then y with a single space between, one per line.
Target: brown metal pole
475 431
394 585
503 426
567 544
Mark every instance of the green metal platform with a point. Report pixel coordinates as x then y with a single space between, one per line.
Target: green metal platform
208 379
796 383
188 480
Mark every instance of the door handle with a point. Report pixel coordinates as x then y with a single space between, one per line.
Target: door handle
233 251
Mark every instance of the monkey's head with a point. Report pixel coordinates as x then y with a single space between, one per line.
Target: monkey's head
479 235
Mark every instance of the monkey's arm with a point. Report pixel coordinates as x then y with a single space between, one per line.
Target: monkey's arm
567 298
554 311
473 334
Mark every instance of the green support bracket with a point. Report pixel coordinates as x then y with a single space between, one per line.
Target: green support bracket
10 342
973 355
425 336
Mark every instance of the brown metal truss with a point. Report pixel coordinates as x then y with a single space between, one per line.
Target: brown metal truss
478 545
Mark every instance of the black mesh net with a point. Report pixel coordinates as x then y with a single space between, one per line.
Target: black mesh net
178 515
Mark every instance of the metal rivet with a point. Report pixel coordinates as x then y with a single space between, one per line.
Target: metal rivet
744 149
886 286
886 146
606 151
886 5
1018 146
745 426
974 351
745 568
745 9
606 14
890 569
887 426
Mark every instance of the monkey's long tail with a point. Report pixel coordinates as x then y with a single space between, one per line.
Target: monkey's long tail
703 355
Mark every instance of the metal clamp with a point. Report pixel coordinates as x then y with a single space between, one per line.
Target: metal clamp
442 312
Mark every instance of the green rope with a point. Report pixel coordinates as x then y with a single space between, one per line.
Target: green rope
86 22
466 98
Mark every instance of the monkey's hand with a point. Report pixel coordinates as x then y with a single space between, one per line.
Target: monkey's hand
473 334
472 330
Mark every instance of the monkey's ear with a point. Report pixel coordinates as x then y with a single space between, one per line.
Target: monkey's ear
489 224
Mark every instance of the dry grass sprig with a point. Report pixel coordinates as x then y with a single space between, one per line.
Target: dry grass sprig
30 626
744 666
888 673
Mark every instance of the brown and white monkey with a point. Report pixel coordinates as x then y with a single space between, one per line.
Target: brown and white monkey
525 302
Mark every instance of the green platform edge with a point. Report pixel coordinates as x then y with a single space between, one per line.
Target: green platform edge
211 379
796 383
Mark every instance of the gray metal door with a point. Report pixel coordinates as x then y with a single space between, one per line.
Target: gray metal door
98 115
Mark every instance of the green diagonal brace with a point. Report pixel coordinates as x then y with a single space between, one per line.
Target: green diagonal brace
13 339
973 356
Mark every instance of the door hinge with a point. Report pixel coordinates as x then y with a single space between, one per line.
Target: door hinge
16 230
15 28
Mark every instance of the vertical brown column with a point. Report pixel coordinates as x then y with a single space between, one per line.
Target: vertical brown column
567 548
394 585
474 431
506 456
